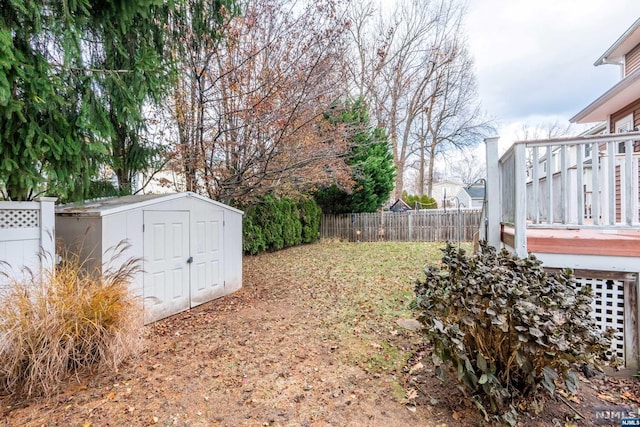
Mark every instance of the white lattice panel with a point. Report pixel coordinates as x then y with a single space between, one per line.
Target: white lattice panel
19 218
608 308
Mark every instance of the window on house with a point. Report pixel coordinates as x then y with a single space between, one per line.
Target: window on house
587 151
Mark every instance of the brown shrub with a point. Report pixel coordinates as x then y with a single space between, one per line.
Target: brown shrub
67 320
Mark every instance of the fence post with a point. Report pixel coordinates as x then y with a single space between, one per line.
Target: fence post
47 233
493 193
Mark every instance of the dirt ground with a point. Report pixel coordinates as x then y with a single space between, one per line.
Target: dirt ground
310 340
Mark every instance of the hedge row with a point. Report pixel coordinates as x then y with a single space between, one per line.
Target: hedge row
274 224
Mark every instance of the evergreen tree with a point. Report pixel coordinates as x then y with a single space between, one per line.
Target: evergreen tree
74 78
46 127
371 161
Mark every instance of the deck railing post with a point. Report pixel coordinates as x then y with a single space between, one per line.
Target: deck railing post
520 201
629 195
580 184
535 185
611 182
493 194
549 183
595 183
564 185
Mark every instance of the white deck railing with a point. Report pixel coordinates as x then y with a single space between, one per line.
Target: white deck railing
579 182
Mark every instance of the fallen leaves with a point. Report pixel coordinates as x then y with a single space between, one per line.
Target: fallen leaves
627 395
607 397
411 394
417 367
316 368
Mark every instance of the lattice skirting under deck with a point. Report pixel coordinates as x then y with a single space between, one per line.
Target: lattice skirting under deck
608 308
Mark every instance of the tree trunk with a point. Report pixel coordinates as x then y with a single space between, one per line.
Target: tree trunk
432 157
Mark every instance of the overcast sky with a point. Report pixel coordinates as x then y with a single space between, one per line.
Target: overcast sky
534 58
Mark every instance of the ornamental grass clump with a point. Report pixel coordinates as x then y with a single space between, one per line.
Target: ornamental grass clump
506 329
67 321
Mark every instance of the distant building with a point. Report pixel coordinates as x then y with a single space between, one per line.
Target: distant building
445 192
399 206
472 196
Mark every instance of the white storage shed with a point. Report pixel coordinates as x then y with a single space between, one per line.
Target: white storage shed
191 246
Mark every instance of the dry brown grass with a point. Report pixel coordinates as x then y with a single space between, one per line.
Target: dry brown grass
68 320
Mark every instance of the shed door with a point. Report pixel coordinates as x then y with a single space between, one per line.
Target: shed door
166 252
207 276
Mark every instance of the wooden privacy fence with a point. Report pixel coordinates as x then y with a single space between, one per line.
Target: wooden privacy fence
434 225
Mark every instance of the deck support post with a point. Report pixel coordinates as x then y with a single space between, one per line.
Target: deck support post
493 194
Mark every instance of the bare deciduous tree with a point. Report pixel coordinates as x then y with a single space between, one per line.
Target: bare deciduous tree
466 168
417 74
544 130
453 116
253 106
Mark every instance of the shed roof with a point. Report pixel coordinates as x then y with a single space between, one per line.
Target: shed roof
112 205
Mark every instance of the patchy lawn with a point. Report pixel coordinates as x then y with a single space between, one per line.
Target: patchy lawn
310 340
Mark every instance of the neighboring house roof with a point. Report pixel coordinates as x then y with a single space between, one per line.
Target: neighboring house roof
625 91
598 129
475 192
399 206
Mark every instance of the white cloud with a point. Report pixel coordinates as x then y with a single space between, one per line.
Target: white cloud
534 59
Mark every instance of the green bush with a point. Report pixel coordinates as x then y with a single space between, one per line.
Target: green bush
507 328
253 241
68 321
273 224
424 201
291 226
310 216
269 217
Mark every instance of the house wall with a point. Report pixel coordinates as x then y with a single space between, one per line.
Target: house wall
633 108
632 60
451 189
465 199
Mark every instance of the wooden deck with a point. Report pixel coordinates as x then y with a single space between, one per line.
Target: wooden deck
574 204
623 242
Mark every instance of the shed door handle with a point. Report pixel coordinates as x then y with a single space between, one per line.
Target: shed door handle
189 260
